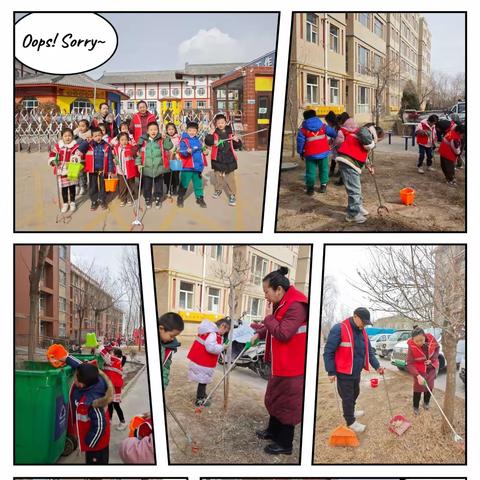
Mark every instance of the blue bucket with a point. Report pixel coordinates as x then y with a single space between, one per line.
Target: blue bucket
175 165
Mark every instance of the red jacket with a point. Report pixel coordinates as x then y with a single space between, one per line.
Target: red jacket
129 157
213 155
288 357
344 353
199 354
352 146
425 134
315 142
113 368
89 160
137 124
63 153
450 146
419 356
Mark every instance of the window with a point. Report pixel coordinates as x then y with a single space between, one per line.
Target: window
216 252
130 105
256 308
81 105
30 103
62 277
334 91
130 92
334 38
362 65
152 106
200 79
62 251
186 296
202 104
151 92
188 248
258 269
378 28
312 88
201 91
188 105
164 92
139 92
61 330
42 303
62 304
312 28
363 18
362 101
213 299
188 91
377 62
175 92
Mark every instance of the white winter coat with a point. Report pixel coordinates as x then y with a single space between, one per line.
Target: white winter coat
198 373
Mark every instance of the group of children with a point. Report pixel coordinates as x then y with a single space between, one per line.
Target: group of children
159 162
342 142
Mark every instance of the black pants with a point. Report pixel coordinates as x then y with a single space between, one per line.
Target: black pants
417 396
118 409
448 169
282 434
348 389
201 391
96 187
66 190
155 183
174 178
100 457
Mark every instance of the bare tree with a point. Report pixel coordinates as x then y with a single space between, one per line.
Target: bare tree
425 91
447 89
330 304
426 284
37 267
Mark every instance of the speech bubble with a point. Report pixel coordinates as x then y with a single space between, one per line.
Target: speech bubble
64 43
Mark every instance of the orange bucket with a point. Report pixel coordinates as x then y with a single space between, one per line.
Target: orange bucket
111 184
407 196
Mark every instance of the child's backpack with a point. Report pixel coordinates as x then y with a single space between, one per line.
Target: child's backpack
364 136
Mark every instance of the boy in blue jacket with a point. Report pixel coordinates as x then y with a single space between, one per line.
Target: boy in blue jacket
193 162
313 146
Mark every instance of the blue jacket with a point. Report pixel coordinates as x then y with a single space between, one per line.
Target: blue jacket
196 146
333 342
97 415
313 124
98 154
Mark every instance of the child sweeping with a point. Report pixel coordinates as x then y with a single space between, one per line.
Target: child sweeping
204 353
450 149
170 325
426 135
62 154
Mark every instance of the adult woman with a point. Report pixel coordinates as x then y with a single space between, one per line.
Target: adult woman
285 331
422 363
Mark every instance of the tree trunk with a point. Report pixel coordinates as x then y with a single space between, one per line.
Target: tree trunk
80 325
449 344
228 353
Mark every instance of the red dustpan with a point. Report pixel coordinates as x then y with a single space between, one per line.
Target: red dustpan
397 424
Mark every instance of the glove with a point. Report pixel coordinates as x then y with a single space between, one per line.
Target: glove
381 370
248 346
226 341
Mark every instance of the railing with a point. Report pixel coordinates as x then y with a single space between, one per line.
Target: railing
37 130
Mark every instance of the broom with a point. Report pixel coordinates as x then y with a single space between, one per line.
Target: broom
342 436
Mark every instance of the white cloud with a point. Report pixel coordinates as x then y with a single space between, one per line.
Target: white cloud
211 46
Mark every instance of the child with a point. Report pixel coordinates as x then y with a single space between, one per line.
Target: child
107 138
172 179
62 154
170 325
426 135
98 164
331 119
124 156
194 160
152 157
352 157
312 144
204 353
90 394
224 159
113 367
450 149
123 129
138 449
82 132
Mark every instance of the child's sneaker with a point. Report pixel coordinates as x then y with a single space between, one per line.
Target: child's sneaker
122 204
82 191
232 200
129 203
93 206
216 194
73 206
201 202
201 402
430 169
453 183
148 203
158 203
358 218
323 188
103 205
180 201
64 208
310 191
121 426
420 170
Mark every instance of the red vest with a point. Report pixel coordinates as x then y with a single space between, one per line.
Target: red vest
187 160
96 123
425 134
288 358
63 154
199 354
344 353
168 354
165 156
419 355
114 371
89 161
352 147
445 149
129 156
316 143
137 124
213 155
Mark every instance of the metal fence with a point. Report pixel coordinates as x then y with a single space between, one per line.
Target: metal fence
39 130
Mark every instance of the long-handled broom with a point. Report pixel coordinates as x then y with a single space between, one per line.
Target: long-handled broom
137 223
191 442
397 424
342 436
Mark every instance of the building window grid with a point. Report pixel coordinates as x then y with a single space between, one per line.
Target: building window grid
363 60
362 100
312 88
213 300
334 87
334 38
185 295
312 28
364 19
258 269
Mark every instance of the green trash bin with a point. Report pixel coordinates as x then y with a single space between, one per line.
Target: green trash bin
86 357
41 412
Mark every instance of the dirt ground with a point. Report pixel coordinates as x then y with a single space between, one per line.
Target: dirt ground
219 435
438 207
423 443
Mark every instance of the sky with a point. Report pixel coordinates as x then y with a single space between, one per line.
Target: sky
448 41
170 40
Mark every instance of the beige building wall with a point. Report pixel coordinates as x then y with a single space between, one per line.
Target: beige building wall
424 57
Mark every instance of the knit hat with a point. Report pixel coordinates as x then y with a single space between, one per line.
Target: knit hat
309 114
363 314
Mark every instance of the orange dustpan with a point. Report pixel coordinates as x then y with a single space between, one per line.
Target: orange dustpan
342 436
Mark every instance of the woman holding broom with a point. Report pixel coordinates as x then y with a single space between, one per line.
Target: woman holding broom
285 331
422 363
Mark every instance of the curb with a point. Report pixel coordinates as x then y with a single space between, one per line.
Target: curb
134 380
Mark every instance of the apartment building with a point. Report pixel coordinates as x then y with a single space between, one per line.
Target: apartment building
193 279
424 55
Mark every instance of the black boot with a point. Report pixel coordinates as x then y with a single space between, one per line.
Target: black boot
275 449
264 434
181 193
201 202
310 191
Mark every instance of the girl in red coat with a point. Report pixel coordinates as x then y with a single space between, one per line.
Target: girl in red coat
450 149
124 157
285 331
422 363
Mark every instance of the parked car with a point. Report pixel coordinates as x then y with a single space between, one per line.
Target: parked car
377 340
385 348
463 370
399 356
458 112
